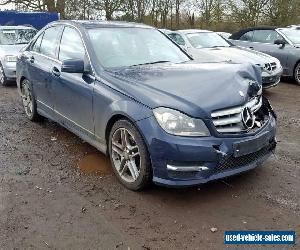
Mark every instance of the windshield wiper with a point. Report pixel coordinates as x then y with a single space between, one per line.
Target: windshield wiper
149 63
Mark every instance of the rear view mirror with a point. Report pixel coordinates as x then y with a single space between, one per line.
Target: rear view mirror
72 66
280 42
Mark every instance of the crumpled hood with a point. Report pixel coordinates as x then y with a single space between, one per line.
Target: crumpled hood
234 54
195 89
11 49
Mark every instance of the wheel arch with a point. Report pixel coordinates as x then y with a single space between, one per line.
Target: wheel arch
113 119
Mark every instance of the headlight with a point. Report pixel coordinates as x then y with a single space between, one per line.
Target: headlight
11 58
177 123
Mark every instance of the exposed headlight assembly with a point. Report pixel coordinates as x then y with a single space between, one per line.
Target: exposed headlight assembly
177 123
11 58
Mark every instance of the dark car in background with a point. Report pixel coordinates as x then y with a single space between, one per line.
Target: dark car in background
282 43
12 40
135 95
205 45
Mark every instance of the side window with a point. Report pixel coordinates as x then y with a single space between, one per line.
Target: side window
71 46
36 45
247 36
49 43
177 38
266 36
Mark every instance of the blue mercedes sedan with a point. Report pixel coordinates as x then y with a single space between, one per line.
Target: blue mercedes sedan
132 93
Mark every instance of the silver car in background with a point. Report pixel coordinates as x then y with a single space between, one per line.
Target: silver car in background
205 45
12 40
282 43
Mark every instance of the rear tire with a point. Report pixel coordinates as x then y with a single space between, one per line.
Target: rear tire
29 101
129 156
3 79
297 74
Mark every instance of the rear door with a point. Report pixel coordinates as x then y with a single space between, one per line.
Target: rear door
73 92
41 58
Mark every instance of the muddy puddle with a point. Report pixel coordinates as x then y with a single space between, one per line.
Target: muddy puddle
95 164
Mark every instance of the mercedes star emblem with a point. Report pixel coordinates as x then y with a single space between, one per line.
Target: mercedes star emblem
248 118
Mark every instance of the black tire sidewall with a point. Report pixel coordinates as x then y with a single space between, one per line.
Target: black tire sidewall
295 72
145 176
4 83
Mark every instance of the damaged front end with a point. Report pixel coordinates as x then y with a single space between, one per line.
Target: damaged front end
234 148
253 150
245 119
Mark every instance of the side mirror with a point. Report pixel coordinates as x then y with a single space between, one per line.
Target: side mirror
280 42
72 66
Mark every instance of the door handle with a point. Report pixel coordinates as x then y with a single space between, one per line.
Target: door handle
31 60
55 71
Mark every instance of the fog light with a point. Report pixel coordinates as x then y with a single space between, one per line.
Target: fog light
186 168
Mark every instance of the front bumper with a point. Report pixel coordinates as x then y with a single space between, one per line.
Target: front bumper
206 158
271 80
10 70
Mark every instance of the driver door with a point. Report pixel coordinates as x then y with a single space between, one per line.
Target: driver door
264 42
73 92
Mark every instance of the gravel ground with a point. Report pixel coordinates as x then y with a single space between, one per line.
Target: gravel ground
57 192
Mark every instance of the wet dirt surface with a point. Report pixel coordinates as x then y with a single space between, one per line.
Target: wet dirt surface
57 192
96 163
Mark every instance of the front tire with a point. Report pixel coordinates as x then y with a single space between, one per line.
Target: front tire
129 156
29 102
297 73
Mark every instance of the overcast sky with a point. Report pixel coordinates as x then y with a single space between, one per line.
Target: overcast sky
9 6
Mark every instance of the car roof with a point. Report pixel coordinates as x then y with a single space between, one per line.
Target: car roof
9 27
222 32
190 31
293 26
241 32
102 24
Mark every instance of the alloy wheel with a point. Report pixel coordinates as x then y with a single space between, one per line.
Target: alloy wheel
27 99
2 77
126 155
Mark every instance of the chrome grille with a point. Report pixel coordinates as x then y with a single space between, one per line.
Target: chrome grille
270 66
230 120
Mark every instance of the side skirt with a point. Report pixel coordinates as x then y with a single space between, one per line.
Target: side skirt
95 142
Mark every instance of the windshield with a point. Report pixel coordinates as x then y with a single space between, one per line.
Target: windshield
292 34
16 36
125 47
207 40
